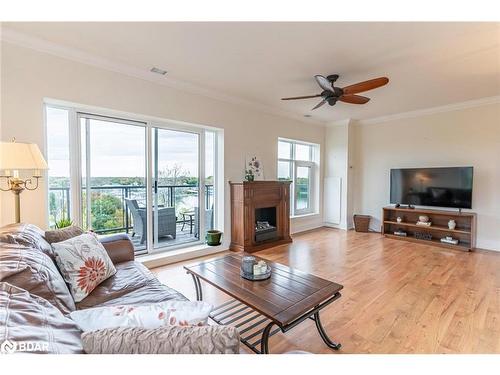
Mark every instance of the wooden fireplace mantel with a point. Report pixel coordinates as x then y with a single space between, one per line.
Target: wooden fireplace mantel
246 197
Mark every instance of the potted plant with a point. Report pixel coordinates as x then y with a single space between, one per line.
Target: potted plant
63 223
213 237
249 176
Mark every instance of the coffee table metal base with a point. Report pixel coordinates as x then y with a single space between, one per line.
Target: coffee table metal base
250 322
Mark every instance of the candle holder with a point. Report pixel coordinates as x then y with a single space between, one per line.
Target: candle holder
250 266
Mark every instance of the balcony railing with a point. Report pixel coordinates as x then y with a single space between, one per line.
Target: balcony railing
109 210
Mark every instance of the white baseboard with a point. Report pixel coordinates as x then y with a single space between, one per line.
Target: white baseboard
338 226
488 245
302 227
169 257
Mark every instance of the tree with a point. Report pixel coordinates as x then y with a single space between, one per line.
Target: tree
106 211
173 174
53 205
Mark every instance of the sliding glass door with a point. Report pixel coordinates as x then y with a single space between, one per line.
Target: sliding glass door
113 170
176 187
154 182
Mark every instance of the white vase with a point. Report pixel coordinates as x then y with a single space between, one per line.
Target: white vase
399 220
452 224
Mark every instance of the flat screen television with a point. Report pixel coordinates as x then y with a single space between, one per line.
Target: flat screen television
440 187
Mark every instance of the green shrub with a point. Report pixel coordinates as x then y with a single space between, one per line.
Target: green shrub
63 223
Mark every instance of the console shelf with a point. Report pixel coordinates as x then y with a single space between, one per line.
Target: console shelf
465 230
432 227
460 246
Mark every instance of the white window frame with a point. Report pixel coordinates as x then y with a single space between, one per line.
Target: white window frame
313 164
150 123
310 201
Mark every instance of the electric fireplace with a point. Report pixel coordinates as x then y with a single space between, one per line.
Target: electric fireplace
260 215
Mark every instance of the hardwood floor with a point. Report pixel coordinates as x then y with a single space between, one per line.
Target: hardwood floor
398 297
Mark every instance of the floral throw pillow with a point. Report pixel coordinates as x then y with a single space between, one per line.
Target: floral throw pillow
169 313
84 264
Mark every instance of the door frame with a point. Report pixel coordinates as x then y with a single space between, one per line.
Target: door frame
76 112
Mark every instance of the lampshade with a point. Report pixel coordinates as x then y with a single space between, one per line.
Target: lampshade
17 155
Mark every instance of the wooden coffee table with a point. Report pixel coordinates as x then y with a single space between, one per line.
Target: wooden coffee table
285 300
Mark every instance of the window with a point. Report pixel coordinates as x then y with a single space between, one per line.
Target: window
58 159
100 180
298 162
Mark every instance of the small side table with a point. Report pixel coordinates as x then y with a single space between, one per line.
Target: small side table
191 221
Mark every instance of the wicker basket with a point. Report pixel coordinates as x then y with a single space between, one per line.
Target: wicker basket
362 223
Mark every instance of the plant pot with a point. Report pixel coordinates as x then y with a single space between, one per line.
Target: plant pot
213 237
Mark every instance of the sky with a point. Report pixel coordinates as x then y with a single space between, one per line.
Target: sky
118 150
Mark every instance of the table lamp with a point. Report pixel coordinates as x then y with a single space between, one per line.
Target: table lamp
16 156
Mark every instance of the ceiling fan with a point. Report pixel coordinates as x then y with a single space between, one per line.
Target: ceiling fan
332 94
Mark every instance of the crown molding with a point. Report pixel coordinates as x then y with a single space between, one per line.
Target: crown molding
336 123
432 110
41 45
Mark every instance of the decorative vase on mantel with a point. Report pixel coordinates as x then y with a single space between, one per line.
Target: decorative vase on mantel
452 224
249 176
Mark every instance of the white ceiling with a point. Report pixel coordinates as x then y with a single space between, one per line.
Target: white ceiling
428 64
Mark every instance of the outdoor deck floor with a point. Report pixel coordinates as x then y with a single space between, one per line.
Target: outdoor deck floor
183 236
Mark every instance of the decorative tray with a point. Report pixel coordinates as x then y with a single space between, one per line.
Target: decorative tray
251 277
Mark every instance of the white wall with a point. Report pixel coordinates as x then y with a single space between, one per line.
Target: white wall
457 138
338 160
29 76
1 182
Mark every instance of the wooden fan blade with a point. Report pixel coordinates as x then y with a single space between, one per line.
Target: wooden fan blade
319 104
365 86
324 83
302 97
354 99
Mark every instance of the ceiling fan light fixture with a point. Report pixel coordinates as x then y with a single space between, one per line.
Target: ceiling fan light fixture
331 94
332 100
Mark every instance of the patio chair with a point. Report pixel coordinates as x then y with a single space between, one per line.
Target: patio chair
166 220
209 220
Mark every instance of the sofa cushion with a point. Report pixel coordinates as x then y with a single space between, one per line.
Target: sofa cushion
30 321
84 264
59 235
28 235
119 247
32 270
153 315
132 284
163 340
